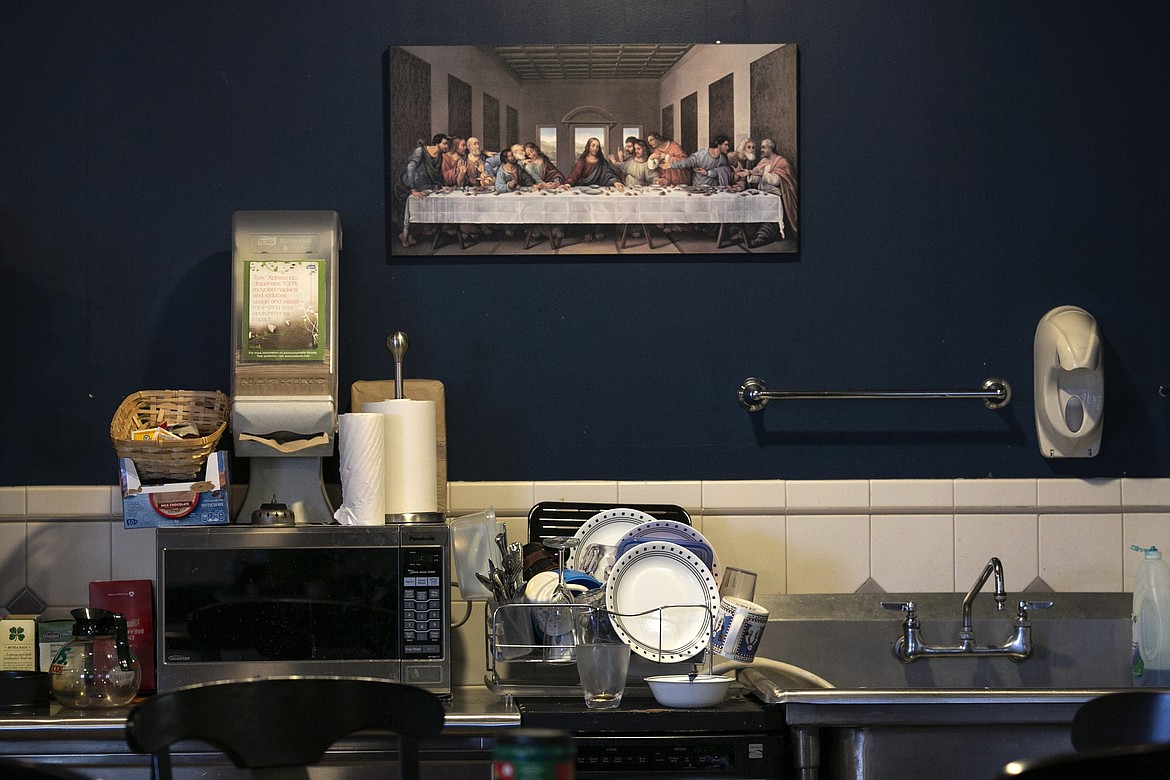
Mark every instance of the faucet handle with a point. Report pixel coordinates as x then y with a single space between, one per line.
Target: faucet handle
911 610
1027 605
901 606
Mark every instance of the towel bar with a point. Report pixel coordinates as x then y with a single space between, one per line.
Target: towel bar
754 394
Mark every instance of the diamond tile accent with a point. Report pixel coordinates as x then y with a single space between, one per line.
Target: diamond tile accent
26 603
1038 585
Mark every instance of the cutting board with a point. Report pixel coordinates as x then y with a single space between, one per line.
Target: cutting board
374 390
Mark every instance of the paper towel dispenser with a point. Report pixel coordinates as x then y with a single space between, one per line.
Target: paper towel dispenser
284 306
284 356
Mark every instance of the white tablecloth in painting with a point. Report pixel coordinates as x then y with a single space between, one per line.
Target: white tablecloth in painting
605 207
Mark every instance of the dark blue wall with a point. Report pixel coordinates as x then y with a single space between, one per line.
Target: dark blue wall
965 167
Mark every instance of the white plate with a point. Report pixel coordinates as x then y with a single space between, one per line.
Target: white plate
672 529
662 601
605 528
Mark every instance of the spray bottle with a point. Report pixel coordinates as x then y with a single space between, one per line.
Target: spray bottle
1151 619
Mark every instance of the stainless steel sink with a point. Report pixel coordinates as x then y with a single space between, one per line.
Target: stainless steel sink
937 717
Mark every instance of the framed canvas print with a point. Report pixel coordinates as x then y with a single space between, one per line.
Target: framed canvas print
592 149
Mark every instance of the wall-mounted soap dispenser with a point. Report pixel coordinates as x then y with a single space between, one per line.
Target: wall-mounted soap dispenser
1069 383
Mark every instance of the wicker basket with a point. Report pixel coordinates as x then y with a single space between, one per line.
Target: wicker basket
171 460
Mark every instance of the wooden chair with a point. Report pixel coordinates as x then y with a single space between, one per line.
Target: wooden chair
21 769
278 726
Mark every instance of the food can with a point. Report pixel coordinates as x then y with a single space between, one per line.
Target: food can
534 754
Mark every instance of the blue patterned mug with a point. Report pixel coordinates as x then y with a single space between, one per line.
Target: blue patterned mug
739 627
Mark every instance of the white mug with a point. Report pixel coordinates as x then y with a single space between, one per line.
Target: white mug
739 626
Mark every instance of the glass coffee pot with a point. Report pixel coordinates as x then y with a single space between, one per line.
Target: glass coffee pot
96 668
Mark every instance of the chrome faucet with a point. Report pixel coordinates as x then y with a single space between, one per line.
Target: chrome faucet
911 646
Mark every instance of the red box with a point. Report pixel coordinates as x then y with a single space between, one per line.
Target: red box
135 600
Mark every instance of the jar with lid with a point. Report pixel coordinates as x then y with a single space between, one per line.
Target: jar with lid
534 754
96 668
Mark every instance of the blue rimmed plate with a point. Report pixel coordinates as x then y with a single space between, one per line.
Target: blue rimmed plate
662 601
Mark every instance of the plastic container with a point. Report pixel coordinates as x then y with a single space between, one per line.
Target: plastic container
1151 620
473 538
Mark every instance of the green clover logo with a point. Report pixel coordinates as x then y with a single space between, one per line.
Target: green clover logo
16 634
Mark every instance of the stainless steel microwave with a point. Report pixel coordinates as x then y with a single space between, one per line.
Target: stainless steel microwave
243 601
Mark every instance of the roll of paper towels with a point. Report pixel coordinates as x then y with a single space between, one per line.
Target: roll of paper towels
410 459
361 443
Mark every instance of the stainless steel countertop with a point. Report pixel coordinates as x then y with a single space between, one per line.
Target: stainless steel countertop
901 707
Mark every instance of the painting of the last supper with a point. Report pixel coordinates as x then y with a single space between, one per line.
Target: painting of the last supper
574 149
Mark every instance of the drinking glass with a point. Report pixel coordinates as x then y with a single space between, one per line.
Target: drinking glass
738 583
603 659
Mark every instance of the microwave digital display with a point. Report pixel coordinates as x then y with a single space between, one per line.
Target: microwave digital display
287 604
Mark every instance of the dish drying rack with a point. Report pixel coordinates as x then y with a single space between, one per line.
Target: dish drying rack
520 664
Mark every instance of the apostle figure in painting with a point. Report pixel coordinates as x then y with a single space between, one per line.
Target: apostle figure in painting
511 175
665 150
638 170
540 168
627 150
743 159
452 158
423 174
710 166
773 173
472 173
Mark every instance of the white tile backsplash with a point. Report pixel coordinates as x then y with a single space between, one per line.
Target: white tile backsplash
917 495
64 556
1079 493
1081 552
504 497
132 552
585 492
827 553
998 494
753 542
745 496
828 495
913 553
1145 493
12 502
1143 529
69 501
688 495
1014 539
799 536
13 573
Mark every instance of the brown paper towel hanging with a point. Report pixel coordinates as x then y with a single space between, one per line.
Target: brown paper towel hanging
374 390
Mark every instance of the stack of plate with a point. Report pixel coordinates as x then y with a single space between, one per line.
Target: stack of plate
661 593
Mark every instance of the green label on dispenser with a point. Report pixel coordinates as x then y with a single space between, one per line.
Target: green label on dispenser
284 304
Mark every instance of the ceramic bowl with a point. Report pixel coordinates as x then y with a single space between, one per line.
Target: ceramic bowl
681 690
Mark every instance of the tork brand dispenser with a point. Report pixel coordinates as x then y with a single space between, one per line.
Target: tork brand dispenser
284 356
1069 383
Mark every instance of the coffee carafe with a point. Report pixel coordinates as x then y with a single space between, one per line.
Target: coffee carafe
96 668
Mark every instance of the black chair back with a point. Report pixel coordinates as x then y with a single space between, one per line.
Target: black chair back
1133 762
273 724
1119 719
21 769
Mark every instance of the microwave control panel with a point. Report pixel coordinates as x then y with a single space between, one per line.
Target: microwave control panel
423 620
